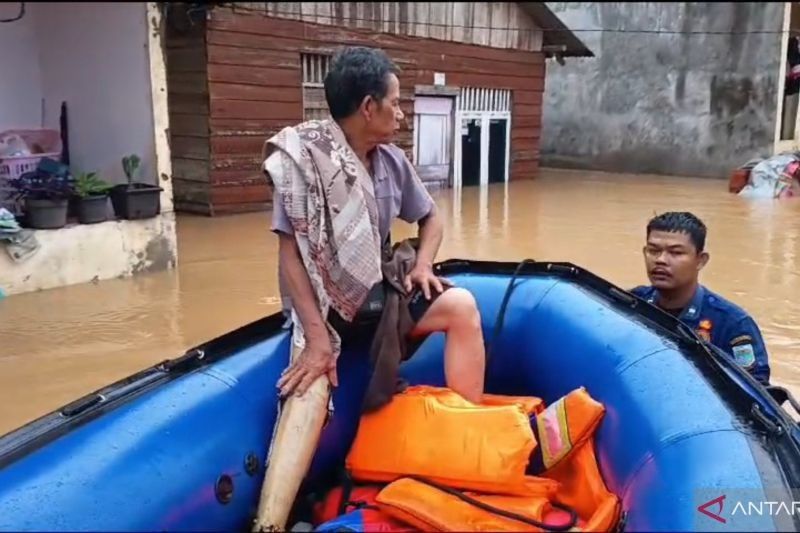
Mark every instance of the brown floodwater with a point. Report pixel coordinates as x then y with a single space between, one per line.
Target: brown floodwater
59 344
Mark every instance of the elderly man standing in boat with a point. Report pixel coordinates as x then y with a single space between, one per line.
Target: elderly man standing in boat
338 185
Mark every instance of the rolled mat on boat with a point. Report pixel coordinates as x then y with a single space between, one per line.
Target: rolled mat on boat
291 451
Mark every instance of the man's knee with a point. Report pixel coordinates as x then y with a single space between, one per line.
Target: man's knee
462 309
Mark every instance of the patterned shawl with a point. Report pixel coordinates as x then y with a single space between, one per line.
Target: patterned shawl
329 199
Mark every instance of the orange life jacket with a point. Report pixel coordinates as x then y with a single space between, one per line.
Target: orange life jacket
343 499
431 508
581 487
435 433
558 434
347 499
565 432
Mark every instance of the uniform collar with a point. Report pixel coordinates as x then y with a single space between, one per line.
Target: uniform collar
692 311
695 307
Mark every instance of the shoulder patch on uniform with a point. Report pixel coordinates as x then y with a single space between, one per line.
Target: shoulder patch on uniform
744 355
742 339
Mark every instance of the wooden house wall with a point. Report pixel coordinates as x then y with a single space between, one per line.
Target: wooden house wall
249 86
495 24
187 95
254 81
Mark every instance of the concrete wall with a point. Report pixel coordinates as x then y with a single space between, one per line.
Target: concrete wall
21 78
664 103
94 56
92 252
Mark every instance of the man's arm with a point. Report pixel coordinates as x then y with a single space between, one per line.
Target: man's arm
745 344
317 357
430 233
300 291
417 206
294 273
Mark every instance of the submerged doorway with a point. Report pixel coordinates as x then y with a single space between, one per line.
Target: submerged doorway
482 145
471 152
497 150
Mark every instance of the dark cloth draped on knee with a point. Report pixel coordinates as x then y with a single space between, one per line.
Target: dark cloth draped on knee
390 345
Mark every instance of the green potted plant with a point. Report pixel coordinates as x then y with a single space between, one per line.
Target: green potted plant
135 200
92 195
45 192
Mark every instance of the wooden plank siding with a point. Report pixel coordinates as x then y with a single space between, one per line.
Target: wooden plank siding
189 111
254 88
462 22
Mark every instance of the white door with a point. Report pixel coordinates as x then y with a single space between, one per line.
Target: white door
482 150
433 130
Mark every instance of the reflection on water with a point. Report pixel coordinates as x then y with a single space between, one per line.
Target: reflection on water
57 345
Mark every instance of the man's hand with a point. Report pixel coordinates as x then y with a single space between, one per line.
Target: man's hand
315 360
423 277
317 357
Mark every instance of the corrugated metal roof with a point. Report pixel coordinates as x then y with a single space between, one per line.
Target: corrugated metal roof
557 38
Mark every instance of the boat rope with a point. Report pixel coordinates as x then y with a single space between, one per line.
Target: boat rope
573 516
501 315
347 484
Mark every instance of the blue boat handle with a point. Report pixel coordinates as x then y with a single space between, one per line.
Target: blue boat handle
781 395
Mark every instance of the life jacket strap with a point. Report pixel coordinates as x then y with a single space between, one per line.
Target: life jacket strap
573 516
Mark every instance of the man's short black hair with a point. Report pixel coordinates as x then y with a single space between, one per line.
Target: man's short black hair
680 222
354 73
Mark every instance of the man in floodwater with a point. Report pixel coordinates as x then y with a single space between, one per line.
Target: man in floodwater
674 256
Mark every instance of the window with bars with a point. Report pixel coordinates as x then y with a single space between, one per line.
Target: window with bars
315 68
479 99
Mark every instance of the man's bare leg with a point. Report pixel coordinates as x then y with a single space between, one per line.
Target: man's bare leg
455 312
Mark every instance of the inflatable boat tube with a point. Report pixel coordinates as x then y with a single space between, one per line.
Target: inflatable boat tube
179 446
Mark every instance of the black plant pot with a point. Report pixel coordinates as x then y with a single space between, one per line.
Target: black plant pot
93 209
45 213
136 201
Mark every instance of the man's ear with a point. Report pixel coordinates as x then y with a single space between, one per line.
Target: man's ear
365 108
704 259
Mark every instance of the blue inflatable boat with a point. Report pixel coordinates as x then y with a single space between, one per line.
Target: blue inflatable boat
686 436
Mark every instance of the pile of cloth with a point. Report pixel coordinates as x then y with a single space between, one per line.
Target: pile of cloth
20 244
775 177
432 461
